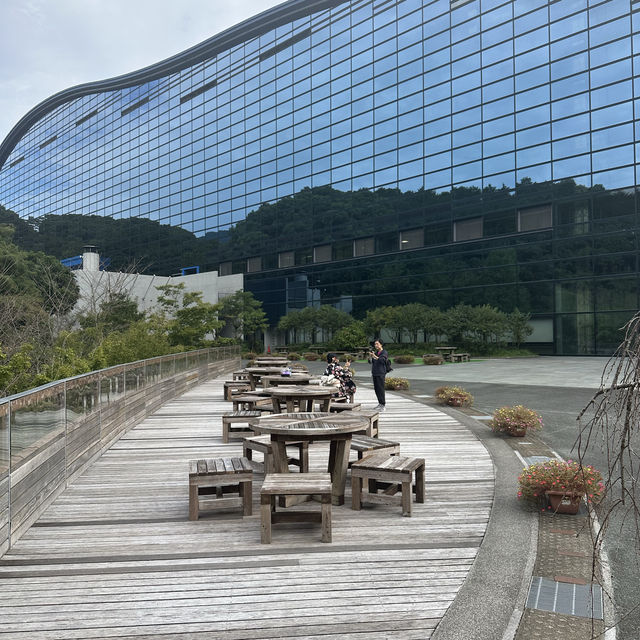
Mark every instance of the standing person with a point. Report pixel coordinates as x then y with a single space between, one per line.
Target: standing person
378 358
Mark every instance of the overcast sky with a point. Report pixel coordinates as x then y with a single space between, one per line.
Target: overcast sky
50 45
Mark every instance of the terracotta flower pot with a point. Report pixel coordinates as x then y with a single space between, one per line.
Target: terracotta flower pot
564 501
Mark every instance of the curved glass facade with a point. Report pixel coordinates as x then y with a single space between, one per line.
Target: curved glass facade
381 152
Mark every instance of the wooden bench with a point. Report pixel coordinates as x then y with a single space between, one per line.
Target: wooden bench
459 357
262 444
381 468
295 484
366 445
374 422
344 406
246 402
233 417
234 386
211 478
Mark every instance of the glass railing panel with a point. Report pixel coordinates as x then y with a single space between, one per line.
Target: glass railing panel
112 385
167 366
4 438
37 421
152 371
181 363
134 377
83 397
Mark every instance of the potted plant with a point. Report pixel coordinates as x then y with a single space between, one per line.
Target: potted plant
563 483
454 396
515 420
396 384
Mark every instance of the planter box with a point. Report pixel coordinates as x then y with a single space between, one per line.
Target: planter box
563 502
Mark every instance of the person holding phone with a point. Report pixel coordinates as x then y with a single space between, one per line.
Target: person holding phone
378 357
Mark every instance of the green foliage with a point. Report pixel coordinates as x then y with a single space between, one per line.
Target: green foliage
15 371
396 384
188 319
518 326
292 355
349 338
404 359
310 356
454 396
243 313
516 418
433 359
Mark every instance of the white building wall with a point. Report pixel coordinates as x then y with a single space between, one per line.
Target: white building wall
95 286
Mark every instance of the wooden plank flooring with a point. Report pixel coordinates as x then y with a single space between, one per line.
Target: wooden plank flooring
115 555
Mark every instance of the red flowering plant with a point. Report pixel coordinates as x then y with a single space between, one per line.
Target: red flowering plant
557 475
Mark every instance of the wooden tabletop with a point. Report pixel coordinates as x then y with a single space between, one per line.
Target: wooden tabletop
294 378
307 391
264 371
311 424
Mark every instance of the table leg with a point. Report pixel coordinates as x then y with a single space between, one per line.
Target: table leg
279 456
291 405
339 470
276 404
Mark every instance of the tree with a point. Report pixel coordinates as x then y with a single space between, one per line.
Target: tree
413 317
330 319
377 319
188 318
349 338
518 324
243 313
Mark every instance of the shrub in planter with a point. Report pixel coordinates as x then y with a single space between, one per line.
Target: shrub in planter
454 396
433 359
249 355
294 356
396 384
404 359
310 356
515 420
568 478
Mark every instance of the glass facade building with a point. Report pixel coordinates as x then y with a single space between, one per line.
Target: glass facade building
375 152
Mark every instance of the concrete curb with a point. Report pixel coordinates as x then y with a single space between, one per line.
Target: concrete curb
491 601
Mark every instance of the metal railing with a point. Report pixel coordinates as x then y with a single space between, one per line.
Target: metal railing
50 434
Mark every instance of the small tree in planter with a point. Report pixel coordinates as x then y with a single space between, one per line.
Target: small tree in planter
515 420
454 396
396 384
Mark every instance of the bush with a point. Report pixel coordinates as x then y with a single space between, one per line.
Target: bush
396 384
514 419
294 356
404 359
310 356
558 475
433 359
249 355
454 396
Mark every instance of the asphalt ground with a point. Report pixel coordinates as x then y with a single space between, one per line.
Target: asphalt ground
558 388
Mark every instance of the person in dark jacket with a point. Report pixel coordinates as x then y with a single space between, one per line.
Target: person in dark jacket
378 358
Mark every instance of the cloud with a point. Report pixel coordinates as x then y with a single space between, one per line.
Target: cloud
50 46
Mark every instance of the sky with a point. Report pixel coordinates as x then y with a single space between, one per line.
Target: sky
47 46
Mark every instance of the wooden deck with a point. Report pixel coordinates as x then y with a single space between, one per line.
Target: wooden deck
116 556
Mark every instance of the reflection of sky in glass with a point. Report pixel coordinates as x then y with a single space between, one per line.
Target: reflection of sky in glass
376 98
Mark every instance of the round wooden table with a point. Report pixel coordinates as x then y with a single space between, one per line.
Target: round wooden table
277 380
255 374
271 362
313 426
301 398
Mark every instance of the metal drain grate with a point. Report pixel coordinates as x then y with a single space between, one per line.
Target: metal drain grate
583 600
